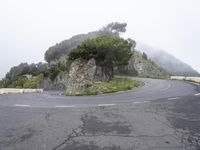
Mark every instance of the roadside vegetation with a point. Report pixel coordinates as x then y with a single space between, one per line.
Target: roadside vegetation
33 82
118 84
24 75
28 76
115 85
22 82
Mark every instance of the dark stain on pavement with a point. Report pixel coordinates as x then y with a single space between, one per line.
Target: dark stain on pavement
26 137
93 125
75 145
29 132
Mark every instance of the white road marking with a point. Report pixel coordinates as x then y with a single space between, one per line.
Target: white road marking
141 102
21 105
64 106
197 94
173 98
106 105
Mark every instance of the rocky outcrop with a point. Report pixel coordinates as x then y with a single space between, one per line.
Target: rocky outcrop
139 66
45 84
59 83
168 62
83 73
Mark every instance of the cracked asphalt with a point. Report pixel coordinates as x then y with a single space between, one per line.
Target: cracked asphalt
161 122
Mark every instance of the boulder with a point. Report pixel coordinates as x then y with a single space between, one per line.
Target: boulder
83 73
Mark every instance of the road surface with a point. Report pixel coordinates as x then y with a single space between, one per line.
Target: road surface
163 114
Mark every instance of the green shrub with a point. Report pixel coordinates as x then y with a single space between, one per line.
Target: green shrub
53 72
18 82
55 69
88 84
107 50
32 83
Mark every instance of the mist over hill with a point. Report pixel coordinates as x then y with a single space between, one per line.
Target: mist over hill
162 59
64 47
168 62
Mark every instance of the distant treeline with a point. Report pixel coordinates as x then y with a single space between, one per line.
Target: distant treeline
28 76
17 76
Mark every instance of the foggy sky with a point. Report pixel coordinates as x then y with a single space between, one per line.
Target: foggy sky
29 27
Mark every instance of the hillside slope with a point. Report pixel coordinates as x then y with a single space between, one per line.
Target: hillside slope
63 48
167 61
55 74
54 53
139 66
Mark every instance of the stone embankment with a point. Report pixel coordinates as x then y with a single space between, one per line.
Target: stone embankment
14 91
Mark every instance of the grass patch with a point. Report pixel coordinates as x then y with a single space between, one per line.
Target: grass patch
118 84
115 85
33 82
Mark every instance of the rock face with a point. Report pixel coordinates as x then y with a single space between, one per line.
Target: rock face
60 82
167 61
138 66
83 73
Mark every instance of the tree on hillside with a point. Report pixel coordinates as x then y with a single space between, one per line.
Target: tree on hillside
25 68
16 77
115 28
108 51
144 55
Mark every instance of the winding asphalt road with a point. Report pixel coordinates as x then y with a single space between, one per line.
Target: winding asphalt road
154 116
152 90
